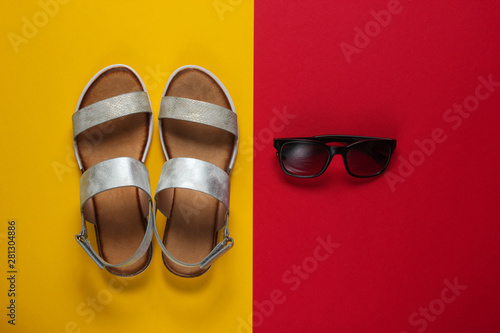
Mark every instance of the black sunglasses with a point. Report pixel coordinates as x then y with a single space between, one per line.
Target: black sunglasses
309 157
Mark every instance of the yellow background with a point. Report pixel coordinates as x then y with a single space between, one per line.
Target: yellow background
43 71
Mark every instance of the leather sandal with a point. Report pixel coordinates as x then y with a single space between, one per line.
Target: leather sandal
199 135
112 128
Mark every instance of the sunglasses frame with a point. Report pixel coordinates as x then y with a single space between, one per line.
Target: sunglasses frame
350 140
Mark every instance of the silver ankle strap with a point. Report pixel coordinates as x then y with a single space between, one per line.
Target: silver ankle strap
107 175
197 175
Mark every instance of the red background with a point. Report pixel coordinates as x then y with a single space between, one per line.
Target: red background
397 246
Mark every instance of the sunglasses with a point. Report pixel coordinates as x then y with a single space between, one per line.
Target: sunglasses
309 157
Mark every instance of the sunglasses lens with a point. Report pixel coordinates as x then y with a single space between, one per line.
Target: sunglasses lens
304 159
368 158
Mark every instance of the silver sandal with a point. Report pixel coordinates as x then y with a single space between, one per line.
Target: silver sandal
112 128
199 135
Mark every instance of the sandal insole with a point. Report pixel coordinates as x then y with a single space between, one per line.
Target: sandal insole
191 230
119 214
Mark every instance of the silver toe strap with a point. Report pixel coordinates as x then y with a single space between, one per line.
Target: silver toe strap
197 175
109 109
199 112
107 175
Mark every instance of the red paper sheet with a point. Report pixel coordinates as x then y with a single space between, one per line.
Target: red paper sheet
415 249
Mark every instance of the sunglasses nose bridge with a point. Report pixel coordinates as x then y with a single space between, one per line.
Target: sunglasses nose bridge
334 150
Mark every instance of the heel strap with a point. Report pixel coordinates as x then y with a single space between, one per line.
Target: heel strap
197 175
107 175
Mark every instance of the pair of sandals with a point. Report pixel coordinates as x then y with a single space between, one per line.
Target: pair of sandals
112 131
